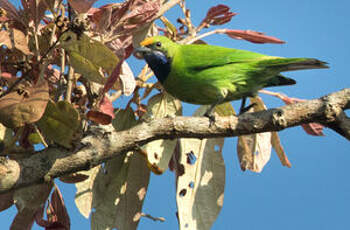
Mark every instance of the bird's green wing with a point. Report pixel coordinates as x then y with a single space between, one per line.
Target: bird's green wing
199 57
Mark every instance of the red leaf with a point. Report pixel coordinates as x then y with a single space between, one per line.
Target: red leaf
81 6
104 114
114 77
57 214
106 107
99 117
252 36
218 15
314 129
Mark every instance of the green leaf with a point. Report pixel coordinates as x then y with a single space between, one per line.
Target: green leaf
159 152
124 119
200 180
24 106
87 56
60 122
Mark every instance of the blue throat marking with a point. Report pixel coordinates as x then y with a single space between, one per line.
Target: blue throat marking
160 65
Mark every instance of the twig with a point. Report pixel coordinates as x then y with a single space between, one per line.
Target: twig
190 40
161 219
42 139
69 84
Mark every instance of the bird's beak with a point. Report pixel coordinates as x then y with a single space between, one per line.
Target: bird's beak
141 51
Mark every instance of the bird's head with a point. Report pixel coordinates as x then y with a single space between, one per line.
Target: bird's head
158 51
157 45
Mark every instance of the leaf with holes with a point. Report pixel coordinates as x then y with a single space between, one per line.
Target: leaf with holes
201 183
120 186
159 152
88 56
60 123
254 150
24 106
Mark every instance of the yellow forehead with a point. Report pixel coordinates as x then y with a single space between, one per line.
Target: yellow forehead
147 41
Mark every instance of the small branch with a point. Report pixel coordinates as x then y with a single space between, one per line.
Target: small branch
69 84
102 143
161 219
193 39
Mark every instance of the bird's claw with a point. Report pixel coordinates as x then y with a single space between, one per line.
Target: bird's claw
211 117
246 109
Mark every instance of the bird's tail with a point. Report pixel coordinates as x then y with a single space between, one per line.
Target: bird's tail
291 64
279 80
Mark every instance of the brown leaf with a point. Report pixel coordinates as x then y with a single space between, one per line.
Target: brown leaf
81 6
6 201
28 201
36 8
104 114
10 9
254 151
218 15
58 215
114 77
24 106
99 117
276 144
73 178
14 39
252 36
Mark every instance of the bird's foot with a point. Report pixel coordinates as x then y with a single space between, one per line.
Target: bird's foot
246 109
211 117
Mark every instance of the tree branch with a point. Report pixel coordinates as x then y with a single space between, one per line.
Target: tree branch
102 143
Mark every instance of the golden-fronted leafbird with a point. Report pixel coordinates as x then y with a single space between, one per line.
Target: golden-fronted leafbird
210 75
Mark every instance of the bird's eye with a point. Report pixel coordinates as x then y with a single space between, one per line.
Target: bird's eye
158 44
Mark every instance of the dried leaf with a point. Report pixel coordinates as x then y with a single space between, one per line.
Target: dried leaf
159 152
252 36
276 144
81 6
14 39
218 15
74 178
254 150
28 200
87 56
6 201
122 78
24 106
119 191
104 114
58 215
83 197
60 122
200 185
11 11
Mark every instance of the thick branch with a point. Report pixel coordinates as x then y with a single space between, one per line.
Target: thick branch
103 143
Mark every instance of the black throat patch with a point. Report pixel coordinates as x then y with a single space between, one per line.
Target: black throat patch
160 64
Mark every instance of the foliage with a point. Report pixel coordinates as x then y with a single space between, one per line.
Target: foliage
63 68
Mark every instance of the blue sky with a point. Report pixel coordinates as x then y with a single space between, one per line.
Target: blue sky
314 193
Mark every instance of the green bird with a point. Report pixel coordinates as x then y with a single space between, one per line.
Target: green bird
211 75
